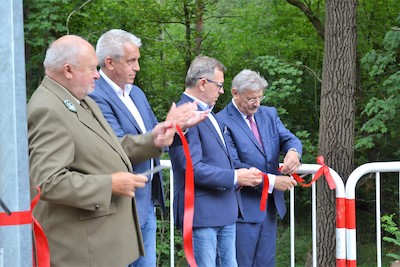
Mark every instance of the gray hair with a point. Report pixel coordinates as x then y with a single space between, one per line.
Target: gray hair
202 67
249 80
111 44
60 53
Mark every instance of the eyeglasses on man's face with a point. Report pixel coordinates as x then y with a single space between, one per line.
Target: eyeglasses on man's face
219 85
254 100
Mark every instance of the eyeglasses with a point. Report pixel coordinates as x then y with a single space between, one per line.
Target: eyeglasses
254 100
219 85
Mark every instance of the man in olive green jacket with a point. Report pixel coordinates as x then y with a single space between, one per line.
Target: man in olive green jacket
87 207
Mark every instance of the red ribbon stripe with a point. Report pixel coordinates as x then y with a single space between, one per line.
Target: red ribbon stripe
189 203
42 258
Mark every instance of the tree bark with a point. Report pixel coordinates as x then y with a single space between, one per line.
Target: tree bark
337 115
188 34
199 26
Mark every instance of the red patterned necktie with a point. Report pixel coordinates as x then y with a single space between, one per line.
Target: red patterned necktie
254 129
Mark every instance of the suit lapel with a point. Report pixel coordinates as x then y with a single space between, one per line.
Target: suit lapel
106 88
238 119
110 136
208 123
140 104
212 129
262 129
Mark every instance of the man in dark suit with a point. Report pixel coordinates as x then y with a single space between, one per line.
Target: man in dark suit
87 207
127 110
216 204
256 138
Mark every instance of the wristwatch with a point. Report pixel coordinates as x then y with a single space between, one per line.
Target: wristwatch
295 150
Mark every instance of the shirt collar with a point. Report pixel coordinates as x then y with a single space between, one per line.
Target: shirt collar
115 87
202 105
244 116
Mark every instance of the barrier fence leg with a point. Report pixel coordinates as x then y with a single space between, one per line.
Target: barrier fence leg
340 232
351 250
15 240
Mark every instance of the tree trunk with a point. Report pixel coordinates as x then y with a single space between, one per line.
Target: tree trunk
199 26
188 34
337 116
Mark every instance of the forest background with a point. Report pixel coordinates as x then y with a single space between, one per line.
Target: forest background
281 39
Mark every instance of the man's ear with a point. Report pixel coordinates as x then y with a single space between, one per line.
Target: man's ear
234 93
109 63
201 84
67 71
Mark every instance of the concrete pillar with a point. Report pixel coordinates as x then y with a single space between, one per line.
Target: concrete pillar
15 241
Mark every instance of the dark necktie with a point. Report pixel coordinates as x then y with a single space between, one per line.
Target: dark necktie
86 107
254 129
89 110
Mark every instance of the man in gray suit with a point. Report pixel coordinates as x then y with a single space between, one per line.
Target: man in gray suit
83 170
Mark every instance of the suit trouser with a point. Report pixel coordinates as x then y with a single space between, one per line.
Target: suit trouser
149 229
256 242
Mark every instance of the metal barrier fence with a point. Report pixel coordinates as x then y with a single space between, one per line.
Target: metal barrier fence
355 176
305 169
311 169
346 244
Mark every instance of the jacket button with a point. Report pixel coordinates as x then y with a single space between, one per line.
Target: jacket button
97 206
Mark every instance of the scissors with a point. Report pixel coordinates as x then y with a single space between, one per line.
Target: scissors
154 170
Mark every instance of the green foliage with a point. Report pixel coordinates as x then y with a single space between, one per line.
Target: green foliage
271 37
389 226
379 129
303 245
43 23
373 22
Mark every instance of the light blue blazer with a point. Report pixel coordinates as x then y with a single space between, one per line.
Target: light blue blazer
122 122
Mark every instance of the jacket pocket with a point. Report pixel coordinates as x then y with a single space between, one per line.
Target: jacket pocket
87 215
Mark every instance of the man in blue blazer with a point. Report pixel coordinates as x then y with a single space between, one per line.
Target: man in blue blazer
256 231
216 203
127 110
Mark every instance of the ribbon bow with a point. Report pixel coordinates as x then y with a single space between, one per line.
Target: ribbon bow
324 170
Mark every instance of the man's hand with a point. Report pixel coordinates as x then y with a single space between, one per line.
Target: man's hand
186 115
163 134
125 183
283 183
291 162
249 177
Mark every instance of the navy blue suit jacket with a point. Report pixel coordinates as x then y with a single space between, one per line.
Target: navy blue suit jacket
246 152
122 122
216 200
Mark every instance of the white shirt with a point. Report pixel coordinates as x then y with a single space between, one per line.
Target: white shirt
204 106
127 100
